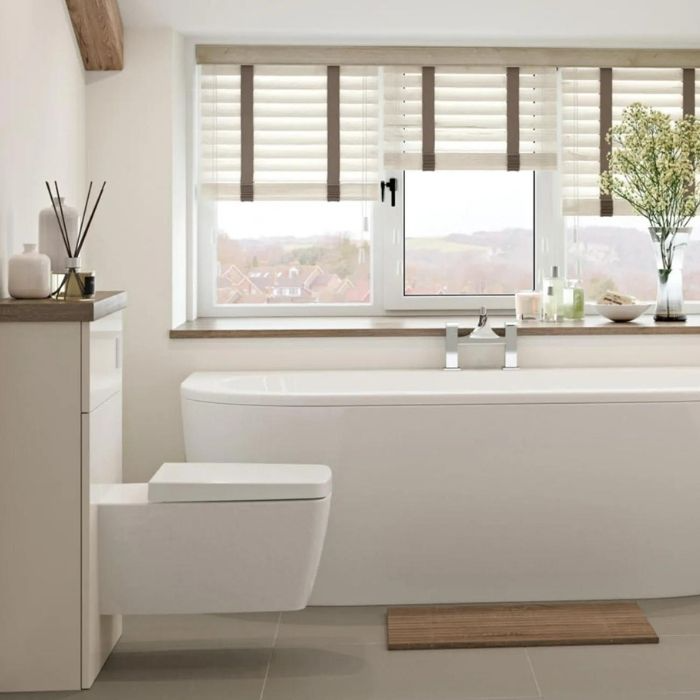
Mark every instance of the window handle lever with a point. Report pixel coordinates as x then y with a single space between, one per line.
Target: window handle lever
392 185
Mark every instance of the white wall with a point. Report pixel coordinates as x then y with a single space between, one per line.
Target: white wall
42 116
503 22
135 142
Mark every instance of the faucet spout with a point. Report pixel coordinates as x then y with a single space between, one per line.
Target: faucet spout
482 331
482 335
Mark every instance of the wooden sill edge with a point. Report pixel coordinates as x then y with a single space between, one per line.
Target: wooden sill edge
386 327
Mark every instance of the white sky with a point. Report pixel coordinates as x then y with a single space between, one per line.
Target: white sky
437 204
445 202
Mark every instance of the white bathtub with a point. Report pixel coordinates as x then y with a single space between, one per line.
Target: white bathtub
548 484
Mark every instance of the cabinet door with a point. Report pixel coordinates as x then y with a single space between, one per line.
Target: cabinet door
40 503
102 360
102 466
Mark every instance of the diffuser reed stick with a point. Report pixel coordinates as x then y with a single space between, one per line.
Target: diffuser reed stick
63 218
87 227
82 218
73 253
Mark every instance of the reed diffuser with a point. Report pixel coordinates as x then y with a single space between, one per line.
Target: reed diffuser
71 278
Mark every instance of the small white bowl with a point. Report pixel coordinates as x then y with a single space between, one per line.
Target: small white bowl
621 313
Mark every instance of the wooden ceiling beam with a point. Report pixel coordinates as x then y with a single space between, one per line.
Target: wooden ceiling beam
100 33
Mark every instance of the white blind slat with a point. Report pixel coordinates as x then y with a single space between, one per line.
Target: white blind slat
470 118
290 140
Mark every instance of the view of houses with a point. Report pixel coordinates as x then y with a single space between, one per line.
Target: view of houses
330 269
335 268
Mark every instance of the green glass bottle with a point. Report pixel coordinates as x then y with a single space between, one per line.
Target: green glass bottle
573 307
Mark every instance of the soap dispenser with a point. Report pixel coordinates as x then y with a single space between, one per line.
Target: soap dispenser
550 310
552 296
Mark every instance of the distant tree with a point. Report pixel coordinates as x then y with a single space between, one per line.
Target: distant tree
308 256
346 258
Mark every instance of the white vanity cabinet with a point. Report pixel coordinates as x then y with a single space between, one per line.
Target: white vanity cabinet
60 440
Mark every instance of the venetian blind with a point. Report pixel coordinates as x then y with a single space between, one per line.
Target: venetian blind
288 132
593 99
480 118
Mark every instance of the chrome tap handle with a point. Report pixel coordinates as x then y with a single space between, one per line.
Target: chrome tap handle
510 359
451 346
486 336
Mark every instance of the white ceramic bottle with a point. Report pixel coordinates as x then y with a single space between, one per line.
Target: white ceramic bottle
50 239
29 274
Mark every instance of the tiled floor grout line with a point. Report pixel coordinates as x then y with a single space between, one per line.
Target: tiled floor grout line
534 675
269 658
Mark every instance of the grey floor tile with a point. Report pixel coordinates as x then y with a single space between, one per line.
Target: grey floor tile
370 672
567 673
334 625
673 615
623 695
195 674
186 664
208 674
63 695
240 689
166 632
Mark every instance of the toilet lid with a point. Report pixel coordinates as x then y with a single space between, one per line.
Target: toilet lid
209 481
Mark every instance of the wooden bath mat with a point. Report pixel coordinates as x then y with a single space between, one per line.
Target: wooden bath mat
517 625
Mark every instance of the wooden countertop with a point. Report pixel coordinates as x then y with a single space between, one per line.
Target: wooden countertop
79 310
387 326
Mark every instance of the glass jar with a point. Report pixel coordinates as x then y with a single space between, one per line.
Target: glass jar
573 301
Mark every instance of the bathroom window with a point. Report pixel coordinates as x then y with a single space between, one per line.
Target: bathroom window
455 240
290 158
462 239
289 164
468 233
285 256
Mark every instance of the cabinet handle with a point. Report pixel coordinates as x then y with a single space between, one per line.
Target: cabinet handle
117 352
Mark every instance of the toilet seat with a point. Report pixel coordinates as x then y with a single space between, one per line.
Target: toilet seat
201 481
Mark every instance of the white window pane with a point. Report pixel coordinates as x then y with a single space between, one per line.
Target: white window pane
293 253
616 253
468 232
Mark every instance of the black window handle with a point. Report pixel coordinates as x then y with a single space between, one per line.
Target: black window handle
392 185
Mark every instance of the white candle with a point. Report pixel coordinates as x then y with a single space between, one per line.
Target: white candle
527 306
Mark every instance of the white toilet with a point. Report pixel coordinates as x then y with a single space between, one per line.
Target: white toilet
212 538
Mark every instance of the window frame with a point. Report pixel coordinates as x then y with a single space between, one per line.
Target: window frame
387 260
191 253
394 256
206 278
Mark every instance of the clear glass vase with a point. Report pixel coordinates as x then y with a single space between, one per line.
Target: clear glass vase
669 248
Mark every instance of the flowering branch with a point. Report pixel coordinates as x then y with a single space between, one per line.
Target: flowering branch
653 167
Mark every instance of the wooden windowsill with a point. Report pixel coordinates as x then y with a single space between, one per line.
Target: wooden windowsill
388 326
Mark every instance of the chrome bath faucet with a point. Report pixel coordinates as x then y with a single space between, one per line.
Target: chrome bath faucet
482 334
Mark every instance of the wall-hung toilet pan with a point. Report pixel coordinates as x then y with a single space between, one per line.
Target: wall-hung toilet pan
212 538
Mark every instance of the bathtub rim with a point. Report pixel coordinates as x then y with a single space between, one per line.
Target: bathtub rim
207 387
